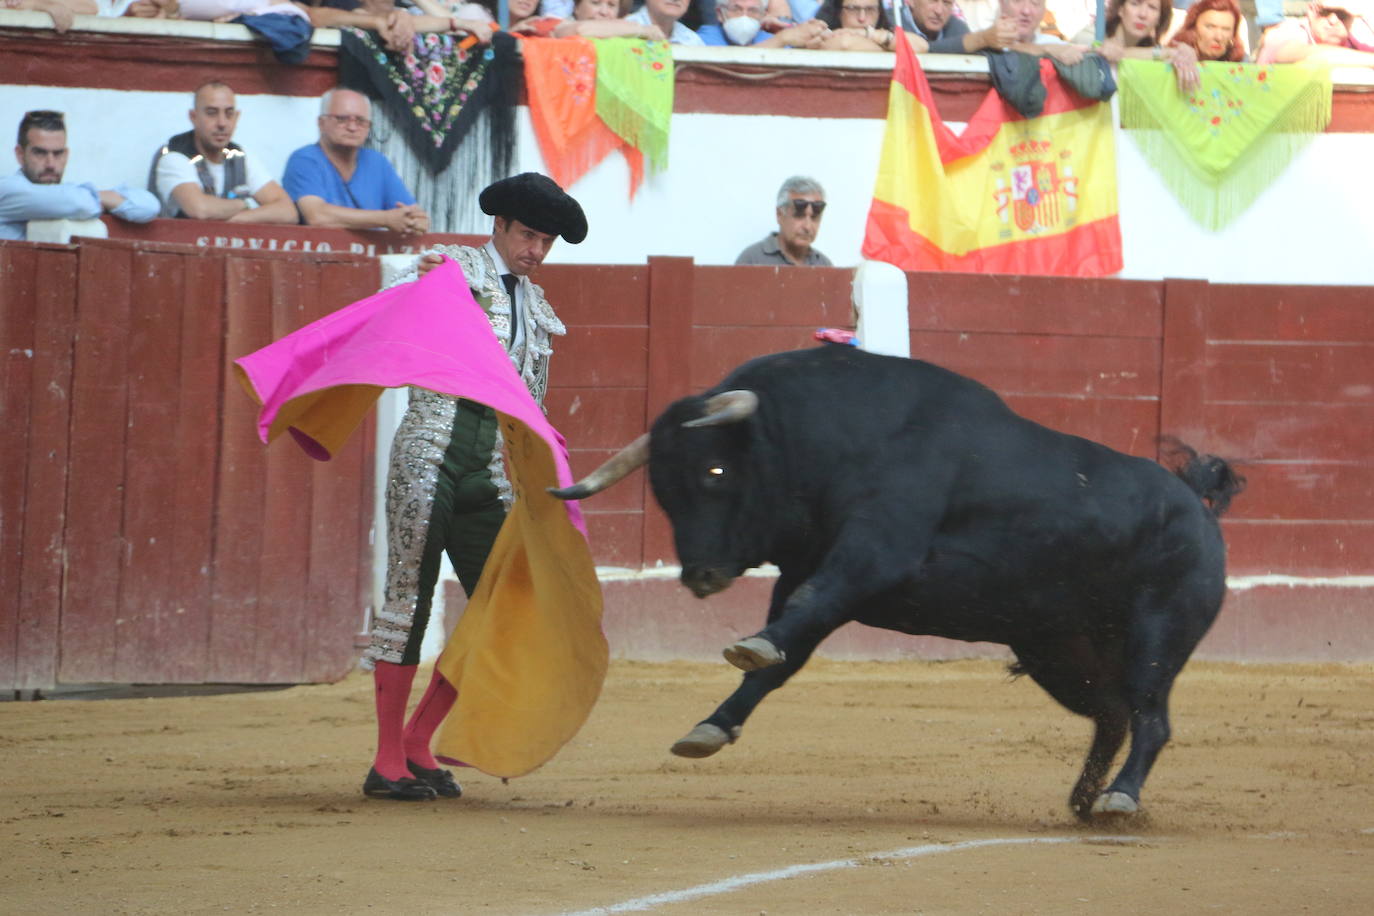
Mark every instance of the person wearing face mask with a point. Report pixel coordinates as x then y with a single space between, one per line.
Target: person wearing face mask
740 22
801 201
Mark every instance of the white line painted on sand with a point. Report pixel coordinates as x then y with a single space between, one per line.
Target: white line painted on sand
727 885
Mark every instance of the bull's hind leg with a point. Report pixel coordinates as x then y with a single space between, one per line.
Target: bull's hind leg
1077 674
1164 630
1147 692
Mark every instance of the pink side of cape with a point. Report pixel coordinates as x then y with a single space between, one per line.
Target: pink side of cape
430 334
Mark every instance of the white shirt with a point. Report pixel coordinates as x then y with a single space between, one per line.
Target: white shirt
517 308
174 169
681 34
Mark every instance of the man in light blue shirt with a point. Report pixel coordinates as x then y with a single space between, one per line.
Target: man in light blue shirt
340 184
36 191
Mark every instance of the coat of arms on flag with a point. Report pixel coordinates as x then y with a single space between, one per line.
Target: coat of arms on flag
1009 195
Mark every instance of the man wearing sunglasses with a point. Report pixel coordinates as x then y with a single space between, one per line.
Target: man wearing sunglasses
801 201
339 184
37 191
1338 34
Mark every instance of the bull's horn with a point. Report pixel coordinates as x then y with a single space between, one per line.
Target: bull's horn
616 468
727 407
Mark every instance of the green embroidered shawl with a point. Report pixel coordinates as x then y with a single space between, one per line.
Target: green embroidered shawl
1221 145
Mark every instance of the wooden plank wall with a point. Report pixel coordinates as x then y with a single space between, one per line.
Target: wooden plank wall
1275 378
1290 390
146 535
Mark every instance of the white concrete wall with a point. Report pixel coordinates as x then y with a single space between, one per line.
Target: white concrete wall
1314 225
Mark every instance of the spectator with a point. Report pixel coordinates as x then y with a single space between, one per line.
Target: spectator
1212 29
740 22
801 201
978 14
665 14
337 183
934 22
142 9
201 174
1329 32
398 27
1136 28
604 19
1025 16
860 25
782 13
60 11
36 191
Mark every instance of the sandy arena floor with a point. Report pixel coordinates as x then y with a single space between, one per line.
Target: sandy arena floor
248 802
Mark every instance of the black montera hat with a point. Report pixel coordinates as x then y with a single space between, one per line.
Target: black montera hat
538 202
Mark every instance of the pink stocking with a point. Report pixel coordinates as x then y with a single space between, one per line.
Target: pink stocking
434 705
392 685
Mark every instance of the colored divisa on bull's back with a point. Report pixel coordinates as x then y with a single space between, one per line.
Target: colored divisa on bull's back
903 496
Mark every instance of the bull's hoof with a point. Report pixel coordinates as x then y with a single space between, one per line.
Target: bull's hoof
753 653
1115 804
702 741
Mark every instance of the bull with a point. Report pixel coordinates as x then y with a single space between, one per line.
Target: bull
904 496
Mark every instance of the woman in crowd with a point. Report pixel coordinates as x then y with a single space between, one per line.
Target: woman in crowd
605 19
860 25
1212 29
1135 29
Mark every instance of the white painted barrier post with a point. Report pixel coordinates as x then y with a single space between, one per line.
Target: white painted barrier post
62 230
880 302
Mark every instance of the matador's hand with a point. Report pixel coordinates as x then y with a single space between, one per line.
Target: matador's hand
430 261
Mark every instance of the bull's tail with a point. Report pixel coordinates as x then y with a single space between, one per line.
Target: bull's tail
1210 477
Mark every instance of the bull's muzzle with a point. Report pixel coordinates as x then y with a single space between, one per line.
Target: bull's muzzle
706 580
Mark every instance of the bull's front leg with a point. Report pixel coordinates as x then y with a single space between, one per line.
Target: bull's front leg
723 726
852 571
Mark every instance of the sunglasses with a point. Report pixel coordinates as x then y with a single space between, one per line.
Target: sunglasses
799 207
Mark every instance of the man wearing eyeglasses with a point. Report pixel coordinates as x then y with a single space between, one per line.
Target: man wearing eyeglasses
203 174
801 201
37 191
339 184
740 22
1336 33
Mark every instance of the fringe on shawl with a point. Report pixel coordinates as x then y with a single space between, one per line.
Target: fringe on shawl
1214 199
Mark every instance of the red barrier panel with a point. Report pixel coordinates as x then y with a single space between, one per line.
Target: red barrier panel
147 536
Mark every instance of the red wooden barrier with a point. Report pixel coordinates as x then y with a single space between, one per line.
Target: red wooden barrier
147 536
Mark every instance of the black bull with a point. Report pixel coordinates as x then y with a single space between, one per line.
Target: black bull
906 497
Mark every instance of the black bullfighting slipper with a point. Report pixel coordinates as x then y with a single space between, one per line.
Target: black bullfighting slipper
404 789
441 781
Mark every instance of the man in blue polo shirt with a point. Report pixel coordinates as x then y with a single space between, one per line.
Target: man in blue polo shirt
739 22
339 184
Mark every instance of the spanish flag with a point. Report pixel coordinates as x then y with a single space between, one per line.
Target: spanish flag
1009 195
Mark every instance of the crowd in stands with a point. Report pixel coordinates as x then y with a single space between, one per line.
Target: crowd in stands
1336 32
202 174
338 182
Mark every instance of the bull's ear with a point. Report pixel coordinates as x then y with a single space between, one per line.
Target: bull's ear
616 468
727 407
